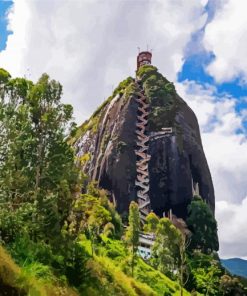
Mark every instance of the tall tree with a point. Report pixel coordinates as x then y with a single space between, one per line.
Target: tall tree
96 222
184 242
169 249
203 226
36 163
133 231
15 143
165 251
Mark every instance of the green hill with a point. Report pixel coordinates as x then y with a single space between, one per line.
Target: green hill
235 266
107 274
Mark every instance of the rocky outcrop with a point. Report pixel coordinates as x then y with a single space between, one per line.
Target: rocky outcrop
106 146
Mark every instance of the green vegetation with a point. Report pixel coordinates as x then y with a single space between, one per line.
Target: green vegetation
161 93
151 224
169 249
114 265
187 255
31 279
203 226
133 232
166 247
206 275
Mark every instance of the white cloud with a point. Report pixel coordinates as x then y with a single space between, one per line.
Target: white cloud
226 154
232 228
226 38
90 46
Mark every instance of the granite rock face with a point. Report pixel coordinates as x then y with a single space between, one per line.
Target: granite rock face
106 143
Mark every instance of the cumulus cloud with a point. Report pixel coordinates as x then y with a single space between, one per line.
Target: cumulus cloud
225 37
89 46
232 228
225 149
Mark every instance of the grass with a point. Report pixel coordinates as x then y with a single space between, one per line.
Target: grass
110 270
9 271
110 280
32 280
109 274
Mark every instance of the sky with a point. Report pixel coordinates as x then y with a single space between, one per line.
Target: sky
200 45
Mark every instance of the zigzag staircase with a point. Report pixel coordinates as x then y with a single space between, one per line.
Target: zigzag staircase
142 179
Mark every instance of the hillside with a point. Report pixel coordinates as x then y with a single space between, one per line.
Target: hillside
235 266
107 274
28 280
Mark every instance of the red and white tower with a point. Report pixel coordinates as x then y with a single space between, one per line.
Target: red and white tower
144 58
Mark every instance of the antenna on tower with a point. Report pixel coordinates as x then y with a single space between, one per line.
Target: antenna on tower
138 49
147 47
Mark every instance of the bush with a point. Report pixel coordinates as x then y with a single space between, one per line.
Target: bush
75 266
26 251
16 222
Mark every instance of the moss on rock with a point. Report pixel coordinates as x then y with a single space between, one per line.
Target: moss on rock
162 97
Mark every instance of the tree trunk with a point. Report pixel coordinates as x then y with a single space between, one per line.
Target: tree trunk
132 263
38 167
181 281
92 245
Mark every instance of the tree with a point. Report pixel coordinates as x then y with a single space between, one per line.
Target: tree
93 215
169 250
16 140
184 241
203 226
151 222
36 163
165 251
50 118
96 222
207 279
231 286
205 272
133 231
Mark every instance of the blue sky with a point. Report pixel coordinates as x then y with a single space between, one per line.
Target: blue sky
4 6
194 69
200 45
196 61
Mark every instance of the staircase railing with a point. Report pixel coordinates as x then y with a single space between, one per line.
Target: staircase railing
142 178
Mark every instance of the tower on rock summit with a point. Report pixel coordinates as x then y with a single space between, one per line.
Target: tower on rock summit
143 143
144 58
